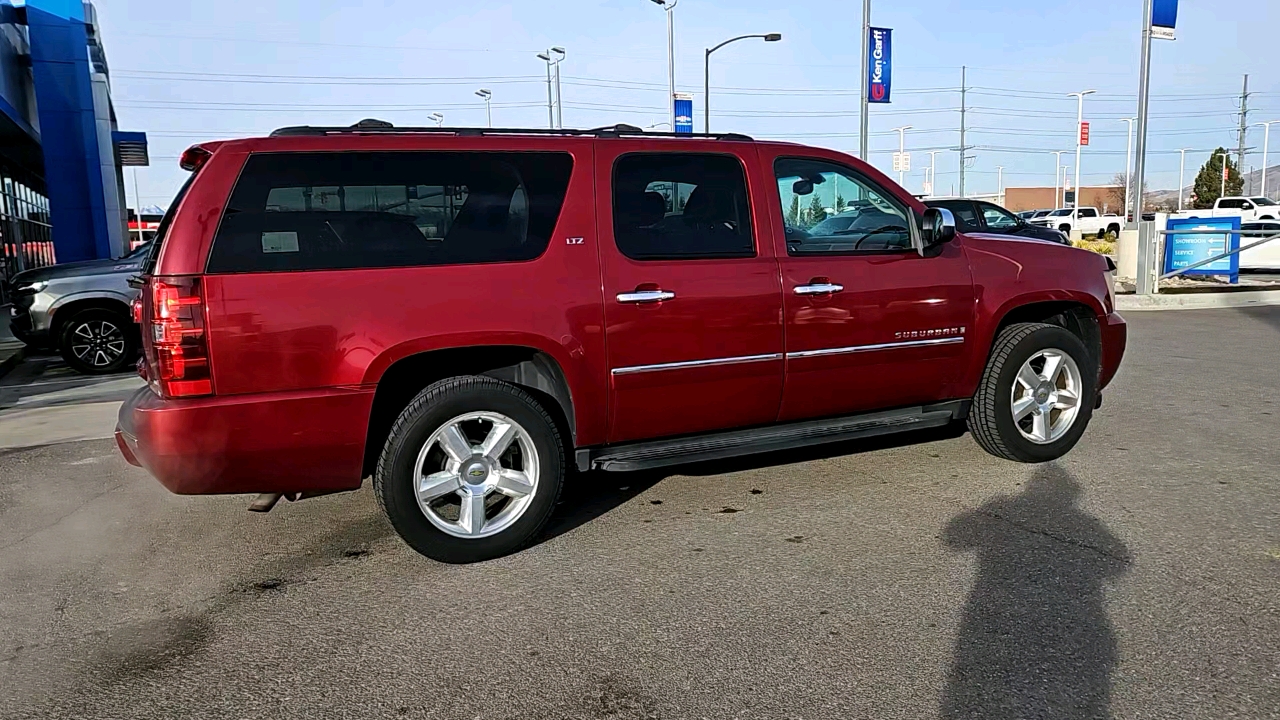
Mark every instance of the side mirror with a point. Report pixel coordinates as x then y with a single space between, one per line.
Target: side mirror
802 187
938 226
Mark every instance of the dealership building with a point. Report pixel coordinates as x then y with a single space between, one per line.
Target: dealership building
61 153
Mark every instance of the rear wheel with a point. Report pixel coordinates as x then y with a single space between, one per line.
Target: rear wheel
1037 394
98 341
471 470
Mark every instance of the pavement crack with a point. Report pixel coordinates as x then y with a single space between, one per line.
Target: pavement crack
1064 539
61 518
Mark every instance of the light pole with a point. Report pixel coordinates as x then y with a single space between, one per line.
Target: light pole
1128 162
436 118
1079 96
1066 173
902 134
551 113
1057 177
1223 192
559 51
669 6
706 74
932 175
1182 165
1266 139
1000 182
486 95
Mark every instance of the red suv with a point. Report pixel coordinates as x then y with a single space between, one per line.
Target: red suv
467 314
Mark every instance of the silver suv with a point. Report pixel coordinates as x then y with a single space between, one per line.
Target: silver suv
80 309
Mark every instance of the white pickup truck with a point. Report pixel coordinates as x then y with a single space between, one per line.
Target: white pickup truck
1089 221
1248 209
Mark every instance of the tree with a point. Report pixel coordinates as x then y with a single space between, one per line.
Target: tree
840 203
816 211
1114 199
793 214
1208 185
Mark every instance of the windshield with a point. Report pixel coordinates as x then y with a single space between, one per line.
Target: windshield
1263 201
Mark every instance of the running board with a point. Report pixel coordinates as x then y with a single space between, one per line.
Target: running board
717 446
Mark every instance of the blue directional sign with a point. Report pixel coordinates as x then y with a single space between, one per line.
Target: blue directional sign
1189 249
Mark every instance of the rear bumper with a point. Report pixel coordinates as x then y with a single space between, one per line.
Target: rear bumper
271 442
1115 336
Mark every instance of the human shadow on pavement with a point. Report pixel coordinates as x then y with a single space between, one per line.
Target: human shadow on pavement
1035 640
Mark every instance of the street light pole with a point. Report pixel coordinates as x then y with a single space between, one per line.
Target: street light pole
1057 177
1128 161
1079 96
706 74
437 118
1000 182
670 5
1182 164
1223 192
487 95
865 108
1266 140
559 51
933 180
902 132
551 112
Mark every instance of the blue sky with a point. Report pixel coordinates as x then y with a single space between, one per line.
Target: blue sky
186 72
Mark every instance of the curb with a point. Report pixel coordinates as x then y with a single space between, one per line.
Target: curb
12 361
1197 301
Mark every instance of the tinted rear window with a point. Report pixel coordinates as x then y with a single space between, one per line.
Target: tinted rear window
318 211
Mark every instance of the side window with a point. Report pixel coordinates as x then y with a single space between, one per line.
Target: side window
966 217
681 205
321 211
998 218
831 209
1088 212
1228 203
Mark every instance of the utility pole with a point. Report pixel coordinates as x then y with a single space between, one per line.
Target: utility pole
865 108
963 148
1244 122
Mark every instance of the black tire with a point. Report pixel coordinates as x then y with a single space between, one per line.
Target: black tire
991 416
393 480
88 341
1065 229
1102 234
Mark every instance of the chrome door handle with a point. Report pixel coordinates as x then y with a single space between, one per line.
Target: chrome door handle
819 289
645 296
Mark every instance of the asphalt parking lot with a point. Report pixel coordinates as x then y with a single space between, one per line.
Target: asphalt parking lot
1137 578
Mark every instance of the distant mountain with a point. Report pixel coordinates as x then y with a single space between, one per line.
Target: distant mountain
1252 186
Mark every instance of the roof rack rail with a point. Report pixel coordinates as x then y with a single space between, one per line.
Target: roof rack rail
373 126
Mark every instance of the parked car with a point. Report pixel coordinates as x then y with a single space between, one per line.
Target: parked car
1088 221
1033 214
1267 255
465 315
978 216
1248 209
80 309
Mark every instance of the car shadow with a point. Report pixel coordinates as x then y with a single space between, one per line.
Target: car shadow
1035 640
589 495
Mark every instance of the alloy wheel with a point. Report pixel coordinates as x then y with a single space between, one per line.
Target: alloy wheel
1045 398
98 343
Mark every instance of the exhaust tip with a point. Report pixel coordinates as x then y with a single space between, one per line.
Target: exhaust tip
264 502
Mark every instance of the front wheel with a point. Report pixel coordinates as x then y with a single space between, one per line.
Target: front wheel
471 470
1036 395
98 341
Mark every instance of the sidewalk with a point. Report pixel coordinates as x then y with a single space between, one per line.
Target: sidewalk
11 350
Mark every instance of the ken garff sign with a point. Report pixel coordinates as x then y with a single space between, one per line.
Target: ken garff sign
684 113
879 64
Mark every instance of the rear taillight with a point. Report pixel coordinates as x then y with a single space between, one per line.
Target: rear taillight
176 332
135 310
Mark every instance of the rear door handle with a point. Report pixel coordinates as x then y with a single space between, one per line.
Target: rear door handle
819 288
646 296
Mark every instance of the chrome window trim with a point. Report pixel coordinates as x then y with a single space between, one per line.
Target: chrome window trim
870 348
695 363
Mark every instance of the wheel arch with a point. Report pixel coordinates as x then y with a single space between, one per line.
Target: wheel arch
1076 316
533 370
68 307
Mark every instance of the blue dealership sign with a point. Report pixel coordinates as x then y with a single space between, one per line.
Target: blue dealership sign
1164 13
879 64
1189 249
684 112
